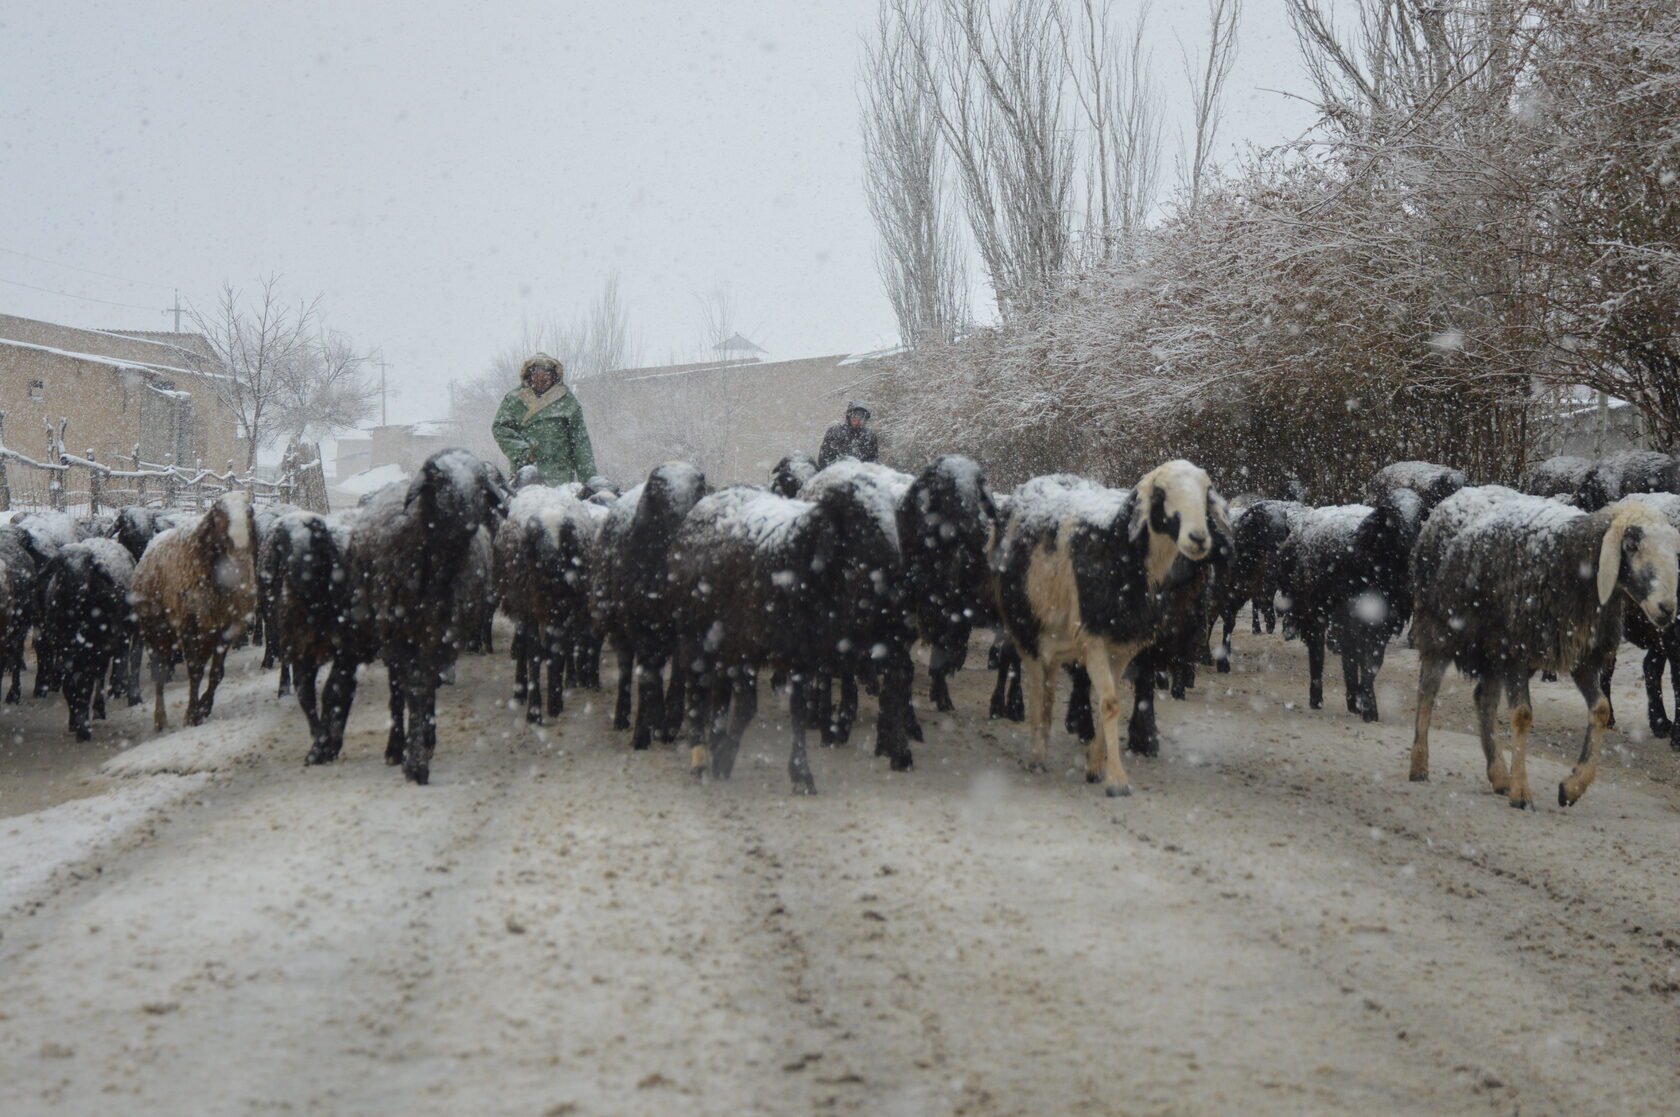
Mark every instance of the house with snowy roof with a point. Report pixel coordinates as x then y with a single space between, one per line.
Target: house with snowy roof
117 389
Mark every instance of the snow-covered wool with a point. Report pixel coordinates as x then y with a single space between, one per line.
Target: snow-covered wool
195 591
1434 483
1530 584
791 473
1259 533
544 554
266 518
803 585
1448 519
1643 471
1587 484
1082 572
945 523
134 527
406 550
629 597
304 568
1346 571
88 625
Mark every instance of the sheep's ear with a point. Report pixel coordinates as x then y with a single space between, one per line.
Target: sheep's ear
1139 522
1610 561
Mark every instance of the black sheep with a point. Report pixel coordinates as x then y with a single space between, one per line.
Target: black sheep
306 571
791 473
1345 572
945 522
87 624
1531 584
1258 535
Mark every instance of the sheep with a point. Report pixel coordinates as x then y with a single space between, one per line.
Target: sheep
1660 645
1643 471
88 624
311 620
1529 584
1587 484
195 590
1434 483
1081 573
791 473
628 602
1346 572
543 552
1258 535
19 570
945 522
406 549
757 579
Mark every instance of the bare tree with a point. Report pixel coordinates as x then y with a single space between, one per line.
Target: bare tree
919 257
324 388
1207 79
996 84
260 347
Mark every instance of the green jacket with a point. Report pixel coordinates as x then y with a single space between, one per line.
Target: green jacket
546 430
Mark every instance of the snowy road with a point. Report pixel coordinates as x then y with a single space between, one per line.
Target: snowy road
1276 923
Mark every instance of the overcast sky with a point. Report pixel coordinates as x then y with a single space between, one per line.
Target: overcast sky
444 173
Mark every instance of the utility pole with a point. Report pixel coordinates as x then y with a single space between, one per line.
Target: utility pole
382 420
176 310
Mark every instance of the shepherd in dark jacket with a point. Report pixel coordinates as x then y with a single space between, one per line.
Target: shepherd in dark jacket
851 438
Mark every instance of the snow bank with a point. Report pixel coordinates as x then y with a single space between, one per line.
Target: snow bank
369 480
36 848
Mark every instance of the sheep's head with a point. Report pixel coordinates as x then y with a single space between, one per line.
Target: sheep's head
1640 553
1177 502
230 517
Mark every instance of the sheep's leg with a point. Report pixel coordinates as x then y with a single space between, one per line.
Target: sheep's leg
97 682
1522 720
1227 623
396 742
136 650
800 709
1104 666
1586 766
845 714
1077 719
1370 662
285 685
160 672
1431 670
521 638
72 690
700 722
743 692
1015 705
1142 736
1041 704
195 680
1005 659
1312 635
719 746
1487 729
674 696
892 727
536 648
306 672
1656 660
336 699
218 662
1672 646
420 691
1353 693
819 693
558 658
650 704
14 659
1604 686
626 678
939 678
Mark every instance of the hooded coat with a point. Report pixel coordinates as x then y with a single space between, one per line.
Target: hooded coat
546 431
842 440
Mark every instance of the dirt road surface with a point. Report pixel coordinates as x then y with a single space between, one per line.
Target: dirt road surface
1277 922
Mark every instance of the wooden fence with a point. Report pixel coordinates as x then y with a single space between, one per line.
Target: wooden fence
82 485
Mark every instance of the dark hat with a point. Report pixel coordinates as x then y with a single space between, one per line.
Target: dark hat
541 360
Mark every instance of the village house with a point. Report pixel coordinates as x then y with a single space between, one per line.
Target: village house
118 390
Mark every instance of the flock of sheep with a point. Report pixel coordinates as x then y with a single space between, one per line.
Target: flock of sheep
828 579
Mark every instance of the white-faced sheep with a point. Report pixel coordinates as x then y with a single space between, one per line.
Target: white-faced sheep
757 579
1532 584
1345 572
1661 645
1082 571
87 623
629 600
195 590
407 546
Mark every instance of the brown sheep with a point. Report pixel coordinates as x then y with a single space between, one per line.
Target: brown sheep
195 593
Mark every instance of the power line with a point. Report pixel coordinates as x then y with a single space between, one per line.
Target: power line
89 271
68 295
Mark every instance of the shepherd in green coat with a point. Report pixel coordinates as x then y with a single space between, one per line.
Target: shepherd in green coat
541 424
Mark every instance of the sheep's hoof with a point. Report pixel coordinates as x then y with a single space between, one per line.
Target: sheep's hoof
1222 666
1419 777
902 762
1118 790
1661 728
320 754
1036 768
533 716
417 773
1093 777
1370 715
1315 703
804 787
87 735
1523 804
1563 796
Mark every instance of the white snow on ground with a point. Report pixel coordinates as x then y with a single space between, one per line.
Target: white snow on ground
368 480
37 848
210 747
